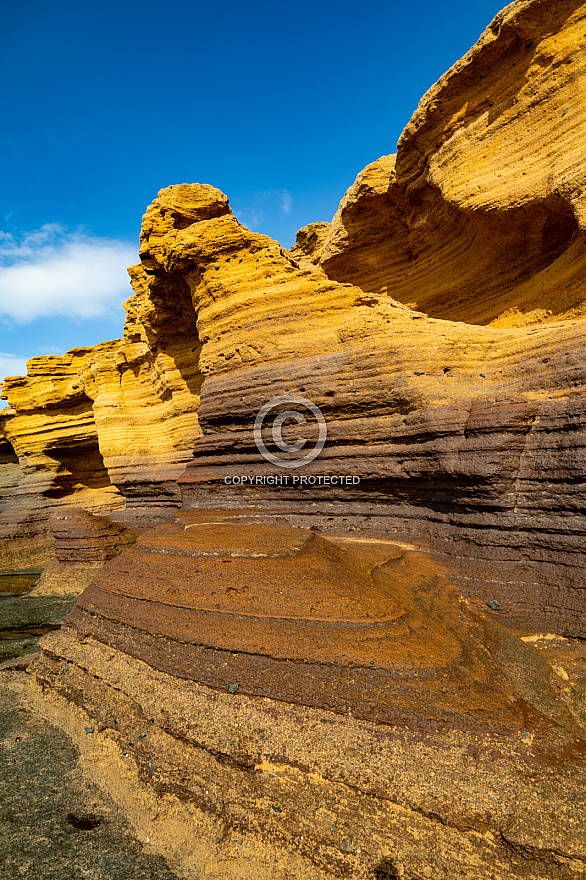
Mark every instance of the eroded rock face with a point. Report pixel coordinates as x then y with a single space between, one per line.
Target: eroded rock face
480 216
348 677
104 426
465 438
52 434
468 439
80 536
323 707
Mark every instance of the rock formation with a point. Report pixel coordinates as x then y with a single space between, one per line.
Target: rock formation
317 708
82 542
468 438
481 215
341 668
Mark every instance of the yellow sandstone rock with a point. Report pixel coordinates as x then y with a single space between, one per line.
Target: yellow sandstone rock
482 217
468 438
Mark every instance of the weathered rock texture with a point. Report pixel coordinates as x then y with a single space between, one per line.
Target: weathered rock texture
52 432
468 438
80 536
340 708
82 542
343 698
101 426
481 215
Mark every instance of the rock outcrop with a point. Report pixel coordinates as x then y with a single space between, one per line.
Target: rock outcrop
51 430
82 542
480 217
320 708
102 427
468 439
464 437
364 662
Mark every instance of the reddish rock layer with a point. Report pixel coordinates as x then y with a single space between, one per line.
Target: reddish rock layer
330 702
290 615
80 536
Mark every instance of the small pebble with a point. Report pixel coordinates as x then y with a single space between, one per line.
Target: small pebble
233 687
494 605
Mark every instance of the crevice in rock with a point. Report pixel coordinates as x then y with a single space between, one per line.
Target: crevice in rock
7 453
78 467
540 854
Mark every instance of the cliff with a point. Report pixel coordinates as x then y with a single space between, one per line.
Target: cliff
364 662
480 215
454 389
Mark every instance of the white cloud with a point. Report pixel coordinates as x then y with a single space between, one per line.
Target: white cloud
286 201
11 365
52 271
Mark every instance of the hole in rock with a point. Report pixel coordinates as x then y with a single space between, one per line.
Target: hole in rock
81 467
10 472
84 821
7 453
386 870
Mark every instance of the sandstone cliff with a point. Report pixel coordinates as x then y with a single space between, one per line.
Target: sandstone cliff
468 439
465 437
102 426
480 217
372 696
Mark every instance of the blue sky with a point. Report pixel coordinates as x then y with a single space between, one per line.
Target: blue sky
280 105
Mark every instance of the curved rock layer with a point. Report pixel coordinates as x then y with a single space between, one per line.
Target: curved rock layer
481 217
337 703
298 617
466 439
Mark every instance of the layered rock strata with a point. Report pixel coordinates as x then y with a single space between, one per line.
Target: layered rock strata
374 696
82 543
480 216
53 437
340 708
468 439
104 426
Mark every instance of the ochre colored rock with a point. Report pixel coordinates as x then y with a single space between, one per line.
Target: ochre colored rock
464 437
10 472
101 425
481 216
381 673
333 700
309 243
468 439
52 433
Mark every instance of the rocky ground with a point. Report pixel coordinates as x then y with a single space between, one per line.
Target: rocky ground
54 823
378 677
